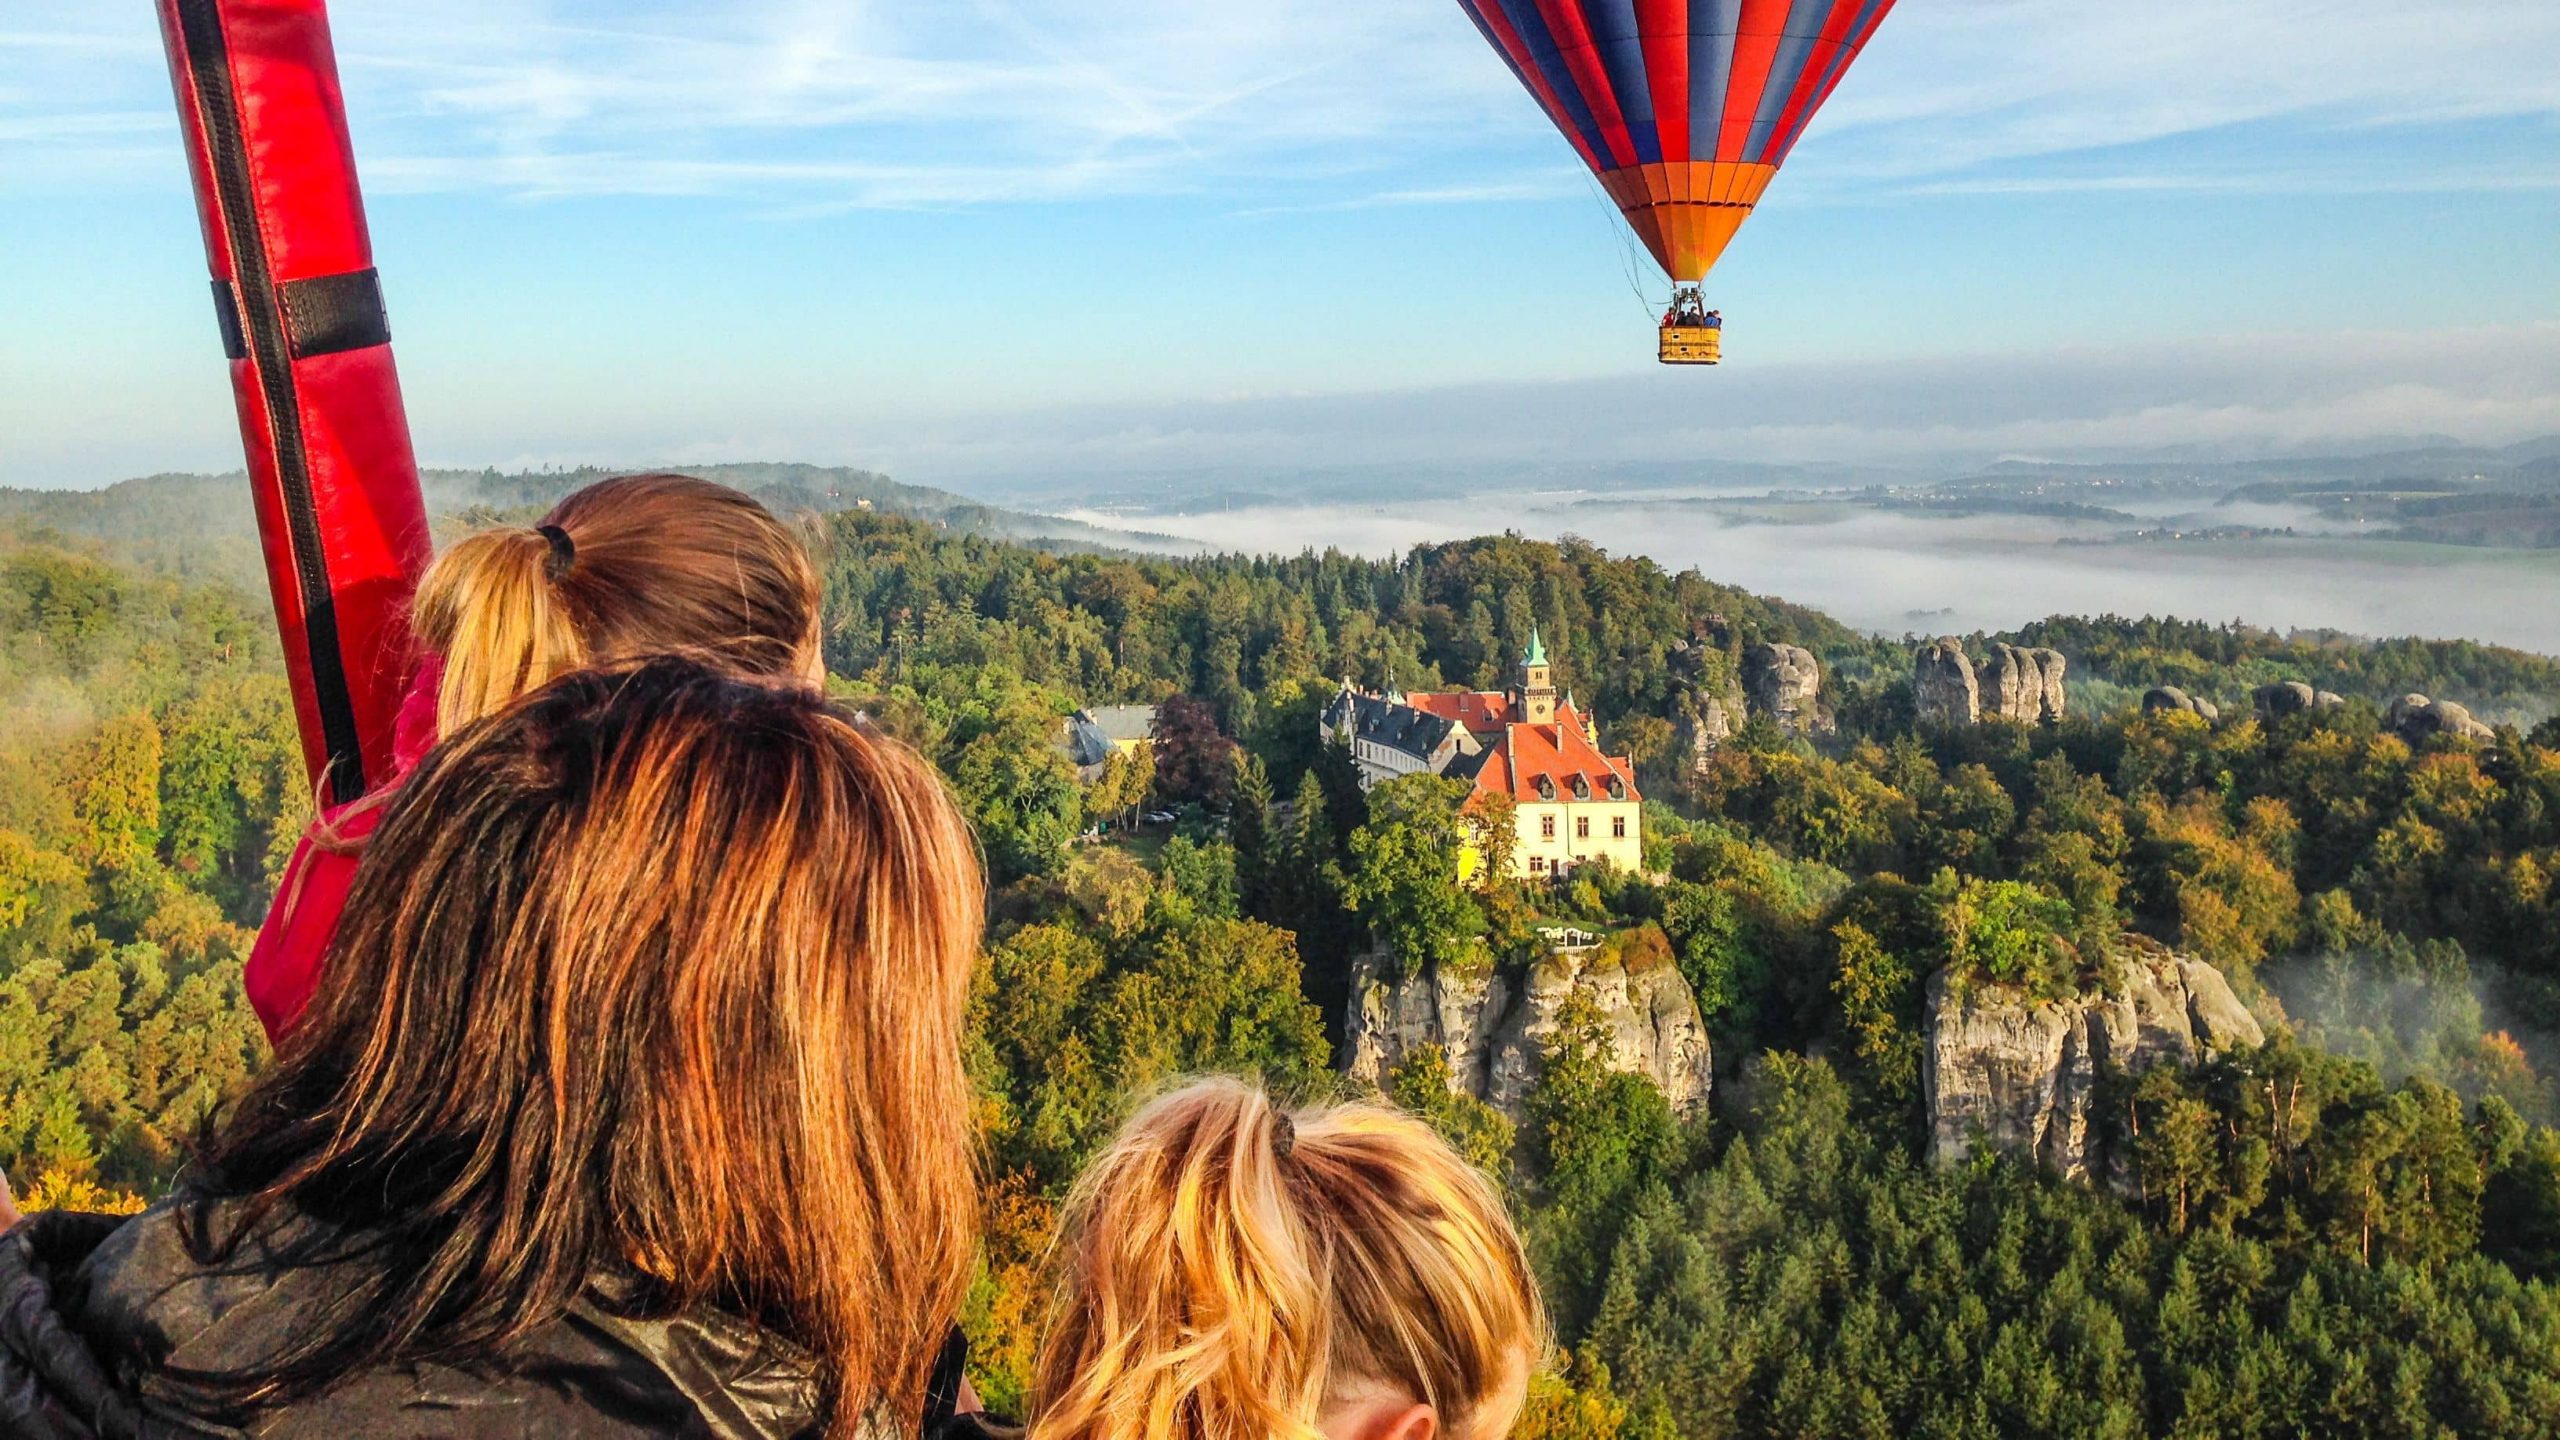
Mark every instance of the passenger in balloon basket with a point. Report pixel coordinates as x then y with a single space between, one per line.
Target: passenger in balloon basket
631 566
634 1105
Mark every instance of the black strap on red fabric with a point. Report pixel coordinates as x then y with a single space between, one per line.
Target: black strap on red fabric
322 315
266 341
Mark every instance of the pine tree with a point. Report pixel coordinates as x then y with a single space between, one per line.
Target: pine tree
1249 829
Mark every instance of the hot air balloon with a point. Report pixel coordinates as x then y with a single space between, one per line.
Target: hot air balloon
1685 109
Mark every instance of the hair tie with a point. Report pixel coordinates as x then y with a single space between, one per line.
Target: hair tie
564 551
1284 1135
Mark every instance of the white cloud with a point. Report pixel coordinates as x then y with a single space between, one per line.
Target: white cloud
855 102
1964 82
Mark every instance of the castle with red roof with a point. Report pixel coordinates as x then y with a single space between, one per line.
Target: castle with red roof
1572 803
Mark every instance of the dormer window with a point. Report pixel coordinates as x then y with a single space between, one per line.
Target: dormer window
1546 787
1617 788
1581 787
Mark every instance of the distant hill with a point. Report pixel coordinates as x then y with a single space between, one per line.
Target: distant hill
197 525
2527 466
2432 464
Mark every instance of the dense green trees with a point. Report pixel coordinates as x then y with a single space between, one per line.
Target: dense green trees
2226 662
2352 1230
2239 844
149 781
1806 1278
1404 876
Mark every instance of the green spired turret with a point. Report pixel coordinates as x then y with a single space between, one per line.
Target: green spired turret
1534 698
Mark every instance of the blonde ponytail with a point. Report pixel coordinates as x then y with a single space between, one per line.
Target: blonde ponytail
631 566
1228 1268
491 607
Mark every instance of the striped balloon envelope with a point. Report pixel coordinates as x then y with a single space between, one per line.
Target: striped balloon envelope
1683 108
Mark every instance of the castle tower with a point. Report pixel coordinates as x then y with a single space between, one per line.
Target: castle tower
1534 697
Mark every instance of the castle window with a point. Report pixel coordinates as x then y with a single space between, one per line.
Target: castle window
1581 827
1546 827
1537 864
1618 827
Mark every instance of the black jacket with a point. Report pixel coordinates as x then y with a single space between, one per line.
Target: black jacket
94 1310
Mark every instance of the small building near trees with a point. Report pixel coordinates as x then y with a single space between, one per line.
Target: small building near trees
1572 803
1096 733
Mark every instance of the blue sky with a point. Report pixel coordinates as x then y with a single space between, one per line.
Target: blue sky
960 239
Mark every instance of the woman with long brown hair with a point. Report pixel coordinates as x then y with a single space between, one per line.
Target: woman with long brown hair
634 1106
631 566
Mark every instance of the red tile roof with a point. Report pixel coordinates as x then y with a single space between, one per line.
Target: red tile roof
1526 753
1483 712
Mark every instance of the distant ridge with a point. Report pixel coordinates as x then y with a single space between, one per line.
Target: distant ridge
200 525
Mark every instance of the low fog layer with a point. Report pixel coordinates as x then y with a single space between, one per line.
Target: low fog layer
1894 573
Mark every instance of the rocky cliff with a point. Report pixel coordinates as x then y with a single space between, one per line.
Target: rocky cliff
2023 1075
2416 718
2169 697
1944 692
1705 723
1783 685
2018 683
2292 697
2021 684
1495 1031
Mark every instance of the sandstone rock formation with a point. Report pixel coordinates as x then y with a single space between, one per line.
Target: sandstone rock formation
1389 1020
1783 684
1705 723
1495 1038
2170 697
2021 684
2416 718
2023 1075
2292 697
1944 691
2018 683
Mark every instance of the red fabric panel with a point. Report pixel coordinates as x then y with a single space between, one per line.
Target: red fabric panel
217 245
1664 26
284 965
1835 34
365 477
1518 53
332 477
1573 42
275 544
286 74
1822 95
1755 49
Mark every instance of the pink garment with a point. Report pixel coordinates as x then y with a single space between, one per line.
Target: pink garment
284 966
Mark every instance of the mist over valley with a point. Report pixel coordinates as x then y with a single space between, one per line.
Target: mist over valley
2355 545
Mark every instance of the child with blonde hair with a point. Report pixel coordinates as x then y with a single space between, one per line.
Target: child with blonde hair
1233 1270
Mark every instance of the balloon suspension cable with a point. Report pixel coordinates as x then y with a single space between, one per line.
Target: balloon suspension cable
1627 256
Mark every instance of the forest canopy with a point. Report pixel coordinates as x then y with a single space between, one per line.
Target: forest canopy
2375 1248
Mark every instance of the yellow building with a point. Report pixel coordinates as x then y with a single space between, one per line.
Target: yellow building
1572 803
